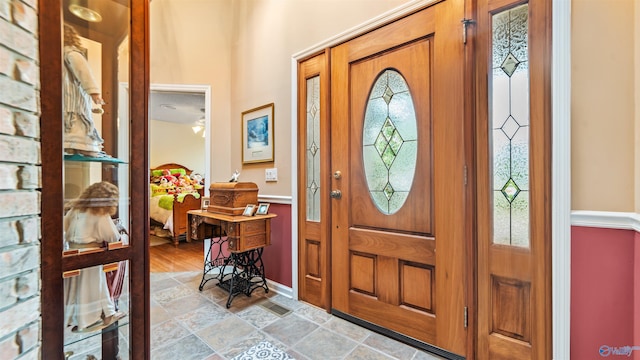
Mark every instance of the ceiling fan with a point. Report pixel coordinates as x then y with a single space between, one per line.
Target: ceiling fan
199 125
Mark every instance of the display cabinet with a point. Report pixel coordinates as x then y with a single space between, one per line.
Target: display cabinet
95 269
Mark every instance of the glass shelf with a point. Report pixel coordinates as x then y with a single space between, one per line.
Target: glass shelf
78 341
103 159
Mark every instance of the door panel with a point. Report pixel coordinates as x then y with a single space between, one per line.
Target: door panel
313 219
385 266
416 55
513 183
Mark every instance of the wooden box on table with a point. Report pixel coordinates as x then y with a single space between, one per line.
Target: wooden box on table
230 198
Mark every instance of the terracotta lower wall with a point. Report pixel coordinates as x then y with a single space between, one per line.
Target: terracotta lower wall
605 291
277 256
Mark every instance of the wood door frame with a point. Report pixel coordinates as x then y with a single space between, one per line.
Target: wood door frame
561 155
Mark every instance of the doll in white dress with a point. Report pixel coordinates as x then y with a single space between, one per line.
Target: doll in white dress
79 91
88 224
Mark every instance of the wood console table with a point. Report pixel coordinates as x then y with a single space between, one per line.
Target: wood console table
238 267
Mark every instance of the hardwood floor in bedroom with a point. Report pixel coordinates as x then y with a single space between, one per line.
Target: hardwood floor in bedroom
188 256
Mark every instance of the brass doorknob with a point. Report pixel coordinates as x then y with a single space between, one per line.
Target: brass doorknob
336 194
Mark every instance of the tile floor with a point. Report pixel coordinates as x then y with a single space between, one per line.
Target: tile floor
188 324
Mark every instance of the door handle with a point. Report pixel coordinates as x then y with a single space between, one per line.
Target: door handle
336 194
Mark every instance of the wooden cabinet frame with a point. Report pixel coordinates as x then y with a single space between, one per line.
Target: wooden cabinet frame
137 253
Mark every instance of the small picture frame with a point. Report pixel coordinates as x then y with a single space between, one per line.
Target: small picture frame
205 203
263 209
249 210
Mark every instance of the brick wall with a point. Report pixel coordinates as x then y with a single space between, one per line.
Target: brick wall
20 180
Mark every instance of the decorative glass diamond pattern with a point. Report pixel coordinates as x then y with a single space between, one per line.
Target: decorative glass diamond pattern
387 129
509 94
313 187
510 127
388 94
381 144
388 156
510 190
388 191
312 167
510 65
395 143
389 142
313 111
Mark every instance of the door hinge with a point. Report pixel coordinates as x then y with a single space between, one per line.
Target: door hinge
466 317
465 22
465 175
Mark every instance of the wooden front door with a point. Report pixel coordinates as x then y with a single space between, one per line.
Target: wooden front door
398 178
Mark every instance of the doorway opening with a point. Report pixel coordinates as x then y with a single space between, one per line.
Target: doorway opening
187 109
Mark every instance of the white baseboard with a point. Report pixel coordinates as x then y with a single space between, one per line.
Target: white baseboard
280 289
606 219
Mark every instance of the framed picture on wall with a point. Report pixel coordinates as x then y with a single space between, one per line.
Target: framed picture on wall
257 134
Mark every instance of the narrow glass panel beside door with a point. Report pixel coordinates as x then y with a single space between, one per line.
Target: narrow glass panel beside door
509 94
313 149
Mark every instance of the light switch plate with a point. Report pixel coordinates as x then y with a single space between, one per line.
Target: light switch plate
271 174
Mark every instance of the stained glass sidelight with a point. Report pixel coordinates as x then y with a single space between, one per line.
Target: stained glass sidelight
509 93
390 142
313 149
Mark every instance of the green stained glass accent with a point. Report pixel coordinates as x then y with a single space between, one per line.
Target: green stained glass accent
388 94
509 99
381 144
510 190
388 191
389 138
388 156
395 143
387 129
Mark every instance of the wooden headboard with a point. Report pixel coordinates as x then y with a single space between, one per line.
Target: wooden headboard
173 166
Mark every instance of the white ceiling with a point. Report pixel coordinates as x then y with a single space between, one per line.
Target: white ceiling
176 107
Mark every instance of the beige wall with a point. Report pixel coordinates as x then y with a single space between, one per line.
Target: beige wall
190 44
175 143
266 35
636 68
243 49
604 118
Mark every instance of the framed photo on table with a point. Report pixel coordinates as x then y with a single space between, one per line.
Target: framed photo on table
249 210
205 203
257 134
263 209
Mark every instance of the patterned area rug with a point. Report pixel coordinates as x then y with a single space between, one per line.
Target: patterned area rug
157 240
263 351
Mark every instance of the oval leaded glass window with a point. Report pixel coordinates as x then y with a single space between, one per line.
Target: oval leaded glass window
390 142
